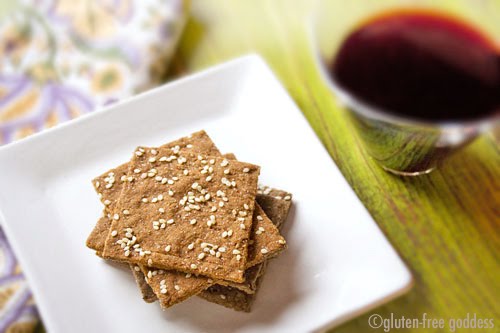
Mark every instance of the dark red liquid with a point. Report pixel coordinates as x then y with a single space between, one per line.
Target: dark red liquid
421 65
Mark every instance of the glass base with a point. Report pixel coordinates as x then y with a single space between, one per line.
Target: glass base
407 174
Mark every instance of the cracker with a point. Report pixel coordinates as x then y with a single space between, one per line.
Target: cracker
192 285
147 292
236 298
229 297
195 285
172 287
110 184
224 192
236 295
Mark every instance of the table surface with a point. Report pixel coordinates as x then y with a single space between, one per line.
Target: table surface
444 225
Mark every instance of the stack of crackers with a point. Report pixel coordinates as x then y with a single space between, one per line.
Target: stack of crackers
190 221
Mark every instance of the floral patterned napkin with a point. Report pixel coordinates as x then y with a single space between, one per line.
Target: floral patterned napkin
63 58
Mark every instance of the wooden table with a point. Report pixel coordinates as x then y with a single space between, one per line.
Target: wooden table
445 225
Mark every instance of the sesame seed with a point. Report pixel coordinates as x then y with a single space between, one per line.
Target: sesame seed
193 266
259 218
97 184
236 251
137 269
160 197
161 210
264 250
192 222
109 186
218 255
171 221
176 287
144 200
226 172
127 253
185 172
189 146
114 233
154 152
126 212
242 226
282 241
116 217
209 178
279 197
230 232
167 248
246 170
287 198
150 262
223 296
137 170
224 234
213 209
170 192
224 163
191 246
138 153
246 206
222 249
201 255
107 202
188 275
163 159
238 257
163 291
170 182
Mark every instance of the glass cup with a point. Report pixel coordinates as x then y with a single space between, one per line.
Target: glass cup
403 146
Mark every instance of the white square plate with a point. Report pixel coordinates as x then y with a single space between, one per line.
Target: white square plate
338 265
